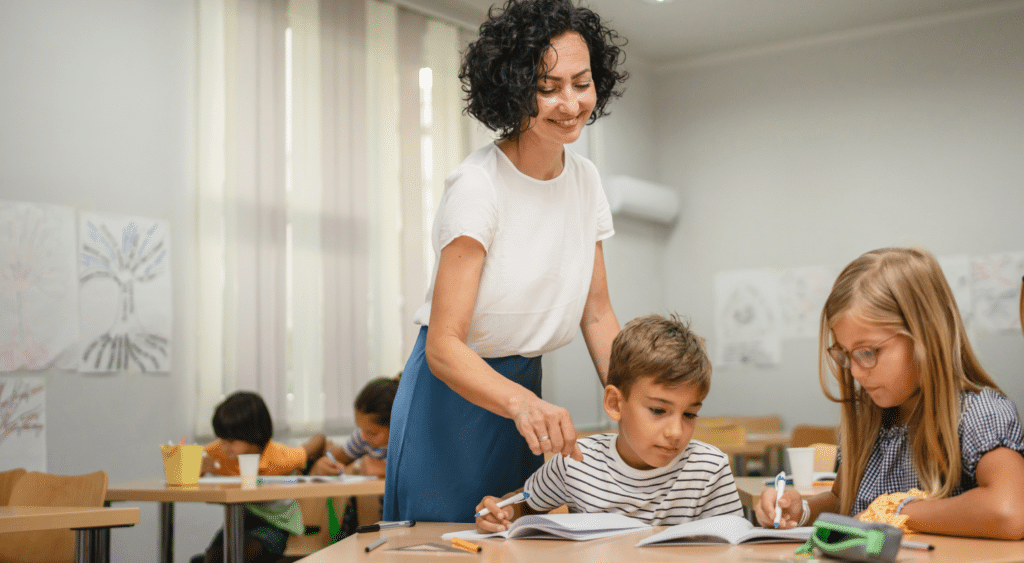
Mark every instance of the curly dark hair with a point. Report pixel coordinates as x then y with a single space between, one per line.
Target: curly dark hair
500 69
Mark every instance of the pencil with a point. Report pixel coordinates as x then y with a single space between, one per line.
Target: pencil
465 545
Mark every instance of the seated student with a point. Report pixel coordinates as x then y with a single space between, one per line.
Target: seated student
929 443
242 425
369 441
658 376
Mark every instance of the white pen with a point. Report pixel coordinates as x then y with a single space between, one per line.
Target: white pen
327 451
510 500
780 487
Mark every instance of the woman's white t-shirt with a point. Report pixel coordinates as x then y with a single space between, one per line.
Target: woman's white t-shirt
539 236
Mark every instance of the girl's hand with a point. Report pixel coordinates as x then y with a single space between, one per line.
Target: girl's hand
208 465
498 520
547 428
790 505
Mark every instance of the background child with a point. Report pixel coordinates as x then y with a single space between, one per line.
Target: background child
658 376
369 441
918 410
242 425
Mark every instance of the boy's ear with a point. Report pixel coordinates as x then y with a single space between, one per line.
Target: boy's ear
613 402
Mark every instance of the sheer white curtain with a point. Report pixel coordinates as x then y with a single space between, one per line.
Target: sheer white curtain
315 196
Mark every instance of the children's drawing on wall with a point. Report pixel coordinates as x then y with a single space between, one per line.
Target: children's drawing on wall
22 423
747 318
38 287
958 273
125 294
995 284
802 294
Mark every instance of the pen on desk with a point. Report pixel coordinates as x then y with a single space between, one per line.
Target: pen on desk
510 500
917 545
465 545
780 487
373 545
385 525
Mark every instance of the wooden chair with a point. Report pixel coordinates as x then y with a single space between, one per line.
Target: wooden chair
7 481
805 434
825 457
45 489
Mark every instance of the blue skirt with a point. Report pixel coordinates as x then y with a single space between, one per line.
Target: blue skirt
445 454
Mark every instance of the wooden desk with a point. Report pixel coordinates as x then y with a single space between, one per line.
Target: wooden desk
233 496
750 489
620 549
86 522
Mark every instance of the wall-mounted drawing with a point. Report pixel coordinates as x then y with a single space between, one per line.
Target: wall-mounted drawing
995 284
125 294
747 318
38 287
22 423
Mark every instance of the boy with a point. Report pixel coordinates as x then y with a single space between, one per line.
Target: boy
658 376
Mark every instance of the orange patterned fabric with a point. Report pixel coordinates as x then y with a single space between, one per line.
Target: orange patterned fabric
277 459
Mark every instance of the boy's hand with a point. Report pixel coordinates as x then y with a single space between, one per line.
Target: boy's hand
790 505
373 466
498 520
208 465
325 466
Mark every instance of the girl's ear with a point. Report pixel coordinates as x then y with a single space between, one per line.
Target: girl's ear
613 402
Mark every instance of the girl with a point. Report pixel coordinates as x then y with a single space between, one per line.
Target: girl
918 410
369 441
242 425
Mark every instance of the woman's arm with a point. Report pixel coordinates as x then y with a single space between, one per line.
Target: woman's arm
462 369
993 509
599 325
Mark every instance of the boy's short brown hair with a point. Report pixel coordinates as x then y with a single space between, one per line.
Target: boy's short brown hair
662 348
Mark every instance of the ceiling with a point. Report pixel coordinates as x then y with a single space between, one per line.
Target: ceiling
683 30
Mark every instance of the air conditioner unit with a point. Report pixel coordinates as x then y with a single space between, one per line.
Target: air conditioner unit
641 199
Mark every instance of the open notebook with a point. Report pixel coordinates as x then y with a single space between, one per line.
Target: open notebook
723 529
577 527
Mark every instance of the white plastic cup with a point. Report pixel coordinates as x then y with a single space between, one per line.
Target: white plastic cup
248 468
801 466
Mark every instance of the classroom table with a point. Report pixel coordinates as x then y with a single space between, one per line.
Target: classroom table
621 549
233 496
750 489
767 444
87 522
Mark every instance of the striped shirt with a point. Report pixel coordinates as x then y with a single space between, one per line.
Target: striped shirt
356 447
988 420
696 484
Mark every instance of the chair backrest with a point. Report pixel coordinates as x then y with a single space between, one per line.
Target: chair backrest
765 424
805 434
825 456
7 481
720 435
46 489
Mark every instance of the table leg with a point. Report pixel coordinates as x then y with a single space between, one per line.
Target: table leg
166 532
83 545
101 543
234 532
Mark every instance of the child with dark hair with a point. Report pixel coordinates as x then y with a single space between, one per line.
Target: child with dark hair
369 441
243 425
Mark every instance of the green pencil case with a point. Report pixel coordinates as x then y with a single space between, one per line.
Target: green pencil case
849 539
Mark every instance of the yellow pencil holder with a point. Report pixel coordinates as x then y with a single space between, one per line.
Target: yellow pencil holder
182 464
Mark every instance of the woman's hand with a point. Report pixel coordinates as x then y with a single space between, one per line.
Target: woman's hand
790 505
498 520
547 428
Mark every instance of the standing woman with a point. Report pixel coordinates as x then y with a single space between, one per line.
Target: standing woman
519 266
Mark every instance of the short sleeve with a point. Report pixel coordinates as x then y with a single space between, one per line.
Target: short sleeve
602 211
989 421
279 459
547 485
354 446
468 208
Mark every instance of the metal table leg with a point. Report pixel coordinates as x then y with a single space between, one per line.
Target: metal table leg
234 532
167 532
83 545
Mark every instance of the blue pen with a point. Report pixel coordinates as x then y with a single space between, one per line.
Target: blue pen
780 487
330 456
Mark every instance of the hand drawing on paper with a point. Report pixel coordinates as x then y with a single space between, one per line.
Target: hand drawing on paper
131 262
22 423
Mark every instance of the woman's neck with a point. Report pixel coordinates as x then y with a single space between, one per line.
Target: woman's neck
536 160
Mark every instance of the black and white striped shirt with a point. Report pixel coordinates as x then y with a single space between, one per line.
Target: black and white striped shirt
697 484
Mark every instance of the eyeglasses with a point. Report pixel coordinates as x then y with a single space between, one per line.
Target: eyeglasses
865 356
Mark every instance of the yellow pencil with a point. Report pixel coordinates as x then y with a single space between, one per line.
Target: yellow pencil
465 545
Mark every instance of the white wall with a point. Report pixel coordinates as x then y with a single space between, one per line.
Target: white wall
812 156
97 112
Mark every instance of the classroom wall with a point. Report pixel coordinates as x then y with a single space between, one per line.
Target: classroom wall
814 153
97 112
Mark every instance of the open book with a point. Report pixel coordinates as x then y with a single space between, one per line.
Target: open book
723 529
344 478
577 527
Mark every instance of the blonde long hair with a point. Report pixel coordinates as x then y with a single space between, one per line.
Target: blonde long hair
905 289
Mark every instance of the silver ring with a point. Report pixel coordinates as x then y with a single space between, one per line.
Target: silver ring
544 438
